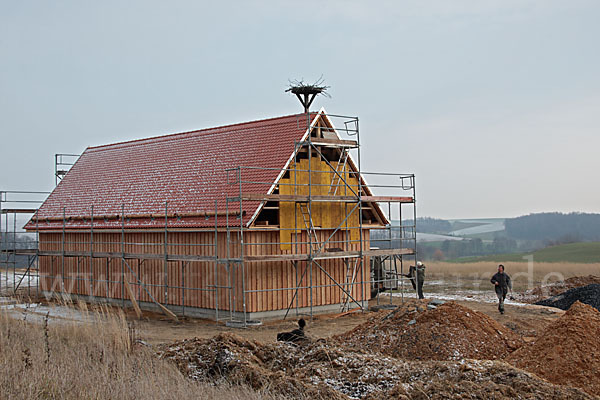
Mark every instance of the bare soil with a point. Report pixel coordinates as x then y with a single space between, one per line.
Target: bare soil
567 352
448 332
155 328
340 360
323 370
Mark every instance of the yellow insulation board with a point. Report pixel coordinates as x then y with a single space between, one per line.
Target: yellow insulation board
326 215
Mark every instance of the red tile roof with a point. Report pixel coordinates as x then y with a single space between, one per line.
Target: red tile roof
186 170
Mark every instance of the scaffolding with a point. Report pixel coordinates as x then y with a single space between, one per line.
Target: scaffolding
18 249
399 239
113 265
62 164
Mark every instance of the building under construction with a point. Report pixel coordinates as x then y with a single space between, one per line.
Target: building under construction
239 222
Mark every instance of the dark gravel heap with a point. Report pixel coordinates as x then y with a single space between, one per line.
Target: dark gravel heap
589 295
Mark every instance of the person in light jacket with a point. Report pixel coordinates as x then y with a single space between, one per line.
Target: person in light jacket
417 276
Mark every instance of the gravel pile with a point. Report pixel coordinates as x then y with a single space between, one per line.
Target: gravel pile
555 288
589 295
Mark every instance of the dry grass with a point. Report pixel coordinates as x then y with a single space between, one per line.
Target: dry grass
97 359
525 275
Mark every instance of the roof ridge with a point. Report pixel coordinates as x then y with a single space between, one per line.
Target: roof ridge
169 136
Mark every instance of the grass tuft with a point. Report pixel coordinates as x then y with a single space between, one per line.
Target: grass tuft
95 359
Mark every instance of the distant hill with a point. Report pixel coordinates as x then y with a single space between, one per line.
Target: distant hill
586 252
573 227
552 226
440 239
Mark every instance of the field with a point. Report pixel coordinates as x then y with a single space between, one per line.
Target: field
586 252
525 275
475 227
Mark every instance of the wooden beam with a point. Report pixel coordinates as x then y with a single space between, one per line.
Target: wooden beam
391 199
300 198
332 142
205 214
326 255
20 251
325 198
128 256
346 313
388 252
136 307
19 211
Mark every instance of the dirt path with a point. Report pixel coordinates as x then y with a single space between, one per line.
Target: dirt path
527 320
524 320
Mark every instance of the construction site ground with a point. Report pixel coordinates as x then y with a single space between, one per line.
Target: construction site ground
154 328
525 320
453 349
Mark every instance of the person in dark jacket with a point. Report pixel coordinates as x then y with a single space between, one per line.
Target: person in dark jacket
417 277
294 336
502 283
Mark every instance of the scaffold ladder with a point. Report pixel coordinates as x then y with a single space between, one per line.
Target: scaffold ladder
308 224
337 177
351 275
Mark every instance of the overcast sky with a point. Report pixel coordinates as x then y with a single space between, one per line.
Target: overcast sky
495 105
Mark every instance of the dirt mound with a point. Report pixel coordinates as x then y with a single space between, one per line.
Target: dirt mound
589 295
474 379
448 332
568 351
239 361
322 370
543 292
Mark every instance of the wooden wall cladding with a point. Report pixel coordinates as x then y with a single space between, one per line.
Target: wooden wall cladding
269 285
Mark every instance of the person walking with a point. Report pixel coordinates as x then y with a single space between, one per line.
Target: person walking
502 283
417 277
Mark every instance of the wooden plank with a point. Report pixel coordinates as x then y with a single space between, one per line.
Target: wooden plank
193 268
251 279
136 307
297 198
132 256
20 211
168 312
277 275
201 271
387 252
206 267
270 284
260 272
257 270
332 142
353 310
189 270
391 199
178 267
205 214
324 256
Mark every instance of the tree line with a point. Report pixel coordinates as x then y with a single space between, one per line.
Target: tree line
556 227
